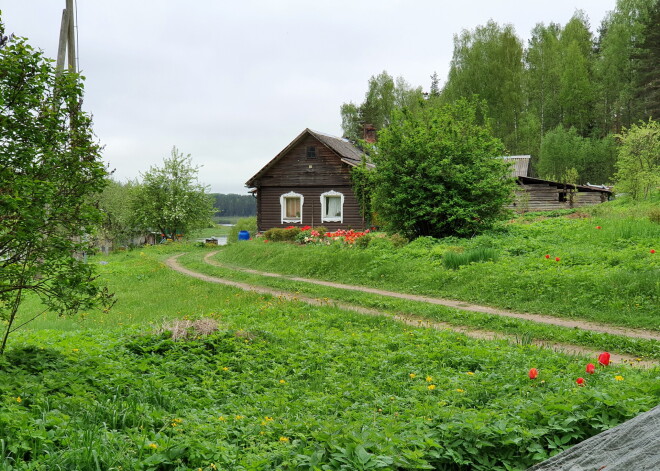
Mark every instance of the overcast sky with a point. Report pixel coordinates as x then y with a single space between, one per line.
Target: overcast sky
232 83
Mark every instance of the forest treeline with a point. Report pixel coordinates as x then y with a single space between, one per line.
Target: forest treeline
235 205
562 98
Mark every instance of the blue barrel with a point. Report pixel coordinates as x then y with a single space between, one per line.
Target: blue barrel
243 235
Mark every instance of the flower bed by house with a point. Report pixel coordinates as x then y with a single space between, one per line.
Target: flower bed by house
310 235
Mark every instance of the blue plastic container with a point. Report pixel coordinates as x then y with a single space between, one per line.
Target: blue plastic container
243 235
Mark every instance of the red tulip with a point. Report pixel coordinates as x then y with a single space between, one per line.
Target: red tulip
557 259
547 255
604 358
533 373
580 381
591 369
652 251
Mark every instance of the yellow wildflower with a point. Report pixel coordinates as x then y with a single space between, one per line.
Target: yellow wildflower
18 399
239 417
213 466
225 368
470 373
75 350
222 418
431 387
460 390
618 378
268 419
153 446
284 439
412 375
429 379
282 381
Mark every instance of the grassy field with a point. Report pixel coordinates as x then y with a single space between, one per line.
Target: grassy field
596 267
285 385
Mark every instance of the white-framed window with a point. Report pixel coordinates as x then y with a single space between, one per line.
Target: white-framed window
292 207
332 206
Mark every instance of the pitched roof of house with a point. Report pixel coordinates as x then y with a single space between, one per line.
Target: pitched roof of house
347 152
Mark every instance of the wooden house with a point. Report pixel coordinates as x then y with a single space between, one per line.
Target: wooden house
309 184
537 194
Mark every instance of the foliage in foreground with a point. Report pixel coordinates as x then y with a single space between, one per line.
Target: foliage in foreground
171 200
50 167
437 172
288 386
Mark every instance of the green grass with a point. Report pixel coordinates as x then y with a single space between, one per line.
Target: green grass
478 321
285 385
343 390
605 275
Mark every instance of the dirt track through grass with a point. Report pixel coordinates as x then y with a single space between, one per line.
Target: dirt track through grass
417 321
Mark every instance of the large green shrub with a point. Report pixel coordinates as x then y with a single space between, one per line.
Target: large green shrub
437 172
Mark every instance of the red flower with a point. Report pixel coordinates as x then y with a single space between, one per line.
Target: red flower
591 369
652 251
598 227
547 255
557 259
580 381
265 241
604 358
533 373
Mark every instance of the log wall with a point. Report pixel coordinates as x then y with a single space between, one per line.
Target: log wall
310 177
545 197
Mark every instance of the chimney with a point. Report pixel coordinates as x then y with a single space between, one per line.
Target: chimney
369 133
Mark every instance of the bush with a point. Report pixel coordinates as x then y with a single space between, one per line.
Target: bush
245 224
363 242
398 240
430 180
278 234
654 215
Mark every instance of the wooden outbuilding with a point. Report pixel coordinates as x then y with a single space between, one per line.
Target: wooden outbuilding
537 194
309 184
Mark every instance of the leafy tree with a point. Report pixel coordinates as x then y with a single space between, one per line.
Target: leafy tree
564 151
487 62
620 44
384 94
638 165
171 200
437 172
542 76
577 90
50 168
115 202
648 56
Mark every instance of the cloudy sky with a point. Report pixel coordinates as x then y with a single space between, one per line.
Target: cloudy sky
232 83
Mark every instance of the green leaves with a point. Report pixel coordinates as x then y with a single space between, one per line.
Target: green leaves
171 200
50 167
438 172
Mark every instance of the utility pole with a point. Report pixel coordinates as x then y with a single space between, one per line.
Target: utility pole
67 40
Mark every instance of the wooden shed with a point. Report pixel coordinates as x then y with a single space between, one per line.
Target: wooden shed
537 194
309 184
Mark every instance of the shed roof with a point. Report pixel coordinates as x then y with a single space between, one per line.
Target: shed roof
601 189
347 152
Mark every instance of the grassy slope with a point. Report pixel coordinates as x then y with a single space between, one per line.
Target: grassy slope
337 386
606 275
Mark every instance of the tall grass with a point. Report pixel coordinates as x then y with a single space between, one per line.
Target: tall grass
454 260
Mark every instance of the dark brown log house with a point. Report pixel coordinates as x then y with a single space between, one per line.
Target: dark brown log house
309 184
